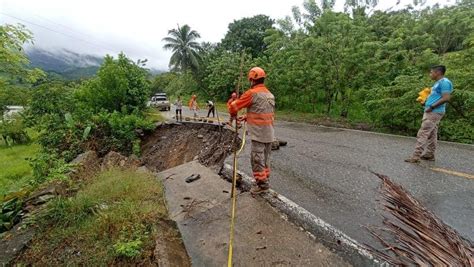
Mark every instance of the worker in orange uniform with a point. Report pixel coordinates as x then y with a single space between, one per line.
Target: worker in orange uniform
193 105
260 104
232 98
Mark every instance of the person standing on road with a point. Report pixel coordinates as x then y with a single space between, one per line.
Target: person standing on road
211 108
231 99
193 105
260 104
179 109
435 108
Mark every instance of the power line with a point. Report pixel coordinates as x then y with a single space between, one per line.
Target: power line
70 29
58 32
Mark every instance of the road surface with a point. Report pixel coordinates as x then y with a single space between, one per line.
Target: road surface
326 171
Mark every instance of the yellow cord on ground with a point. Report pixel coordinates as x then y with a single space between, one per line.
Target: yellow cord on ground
234 197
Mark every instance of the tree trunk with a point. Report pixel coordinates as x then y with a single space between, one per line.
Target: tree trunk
329 98
345 104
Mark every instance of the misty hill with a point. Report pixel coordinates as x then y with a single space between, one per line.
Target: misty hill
68 64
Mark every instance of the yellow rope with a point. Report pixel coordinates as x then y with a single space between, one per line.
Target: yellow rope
234 196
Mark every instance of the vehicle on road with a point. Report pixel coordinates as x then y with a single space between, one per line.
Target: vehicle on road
160 101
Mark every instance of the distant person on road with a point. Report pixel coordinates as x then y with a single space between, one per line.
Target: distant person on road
260 104
193 105
179 109
435 108
211 108
231 99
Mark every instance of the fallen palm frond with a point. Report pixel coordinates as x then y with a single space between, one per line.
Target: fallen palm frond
414 235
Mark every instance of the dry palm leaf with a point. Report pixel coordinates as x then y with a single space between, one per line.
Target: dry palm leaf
413 235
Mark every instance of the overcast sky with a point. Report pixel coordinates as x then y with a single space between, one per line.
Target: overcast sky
136 26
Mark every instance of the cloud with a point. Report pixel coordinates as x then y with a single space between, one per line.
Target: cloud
135 27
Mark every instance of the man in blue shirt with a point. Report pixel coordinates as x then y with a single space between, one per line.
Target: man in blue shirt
435 107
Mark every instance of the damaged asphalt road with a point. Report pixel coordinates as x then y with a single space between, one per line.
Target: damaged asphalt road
327 172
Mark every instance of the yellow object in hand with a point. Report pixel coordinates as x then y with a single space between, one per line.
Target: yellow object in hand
423 95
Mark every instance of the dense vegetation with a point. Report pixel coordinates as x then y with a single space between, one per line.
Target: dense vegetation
66 118
360 65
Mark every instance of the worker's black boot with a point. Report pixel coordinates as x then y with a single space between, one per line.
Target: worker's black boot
428 157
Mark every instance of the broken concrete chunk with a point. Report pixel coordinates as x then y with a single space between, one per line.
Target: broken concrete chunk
192 178
200 136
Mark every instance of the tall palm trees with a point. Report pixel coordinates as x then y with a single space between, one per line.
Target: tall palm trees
182 42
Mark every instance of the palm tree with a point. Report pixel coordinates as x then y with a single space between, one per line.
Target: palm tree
182 42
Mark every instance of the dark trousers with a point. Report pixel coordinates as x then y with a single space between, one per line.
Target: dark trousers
212 109
179 111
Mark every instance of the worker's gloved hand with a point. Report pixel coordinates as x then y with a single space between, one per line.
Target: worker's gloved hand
242 118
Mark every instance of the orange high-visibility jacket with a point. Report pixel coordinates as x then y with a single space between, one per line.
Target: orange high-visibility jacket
260 104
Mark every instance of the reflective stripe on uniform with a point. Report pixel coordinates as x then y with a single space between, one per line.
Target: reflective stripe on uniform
260 176
260 118
267 171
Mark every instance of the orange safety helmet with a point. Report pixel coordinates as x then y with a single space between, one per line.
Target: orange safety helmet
256 73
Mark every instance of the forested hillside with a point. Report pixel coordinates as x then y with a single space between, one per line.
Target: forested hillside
64 63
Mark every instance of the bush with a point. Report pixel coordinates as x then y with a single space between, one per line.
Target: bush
128 249
120 85
394 107
461 130
116 131
13 131
102 114
48 167
10 213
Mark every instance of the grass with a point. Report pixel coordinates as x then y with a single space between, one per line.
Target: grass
15 169
154 115
111 220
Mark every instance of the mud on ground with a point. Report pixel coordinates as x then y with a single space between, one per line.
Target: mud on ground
171 145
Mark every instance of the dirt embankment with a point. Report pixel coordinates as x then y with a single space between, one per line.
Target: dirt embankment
172 145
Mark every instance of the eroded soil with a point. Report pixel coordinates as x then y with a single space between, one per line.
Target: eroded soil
172 145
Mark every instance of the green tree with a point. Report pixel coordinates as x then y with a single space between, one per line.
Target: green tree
182 84
183 43
15 76
161 81
340 49
448 26
247 34
222 74
121 85
13 60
